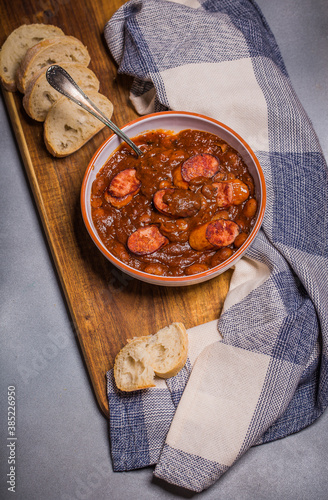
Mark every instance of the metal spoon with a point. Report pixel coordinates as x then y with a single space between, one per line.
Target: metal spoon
61 81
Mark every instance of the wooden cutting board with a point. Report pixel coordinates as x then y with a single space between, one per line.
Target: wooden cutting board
106 306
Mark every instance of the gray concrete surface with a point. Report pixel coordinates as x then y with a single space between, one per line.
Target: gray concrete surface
62 448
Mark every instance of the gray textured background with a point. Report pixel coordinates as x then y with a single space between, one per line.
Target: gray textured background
63 446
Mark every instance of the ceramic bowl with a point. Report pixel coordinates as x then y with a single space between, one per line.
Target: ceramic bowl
173 121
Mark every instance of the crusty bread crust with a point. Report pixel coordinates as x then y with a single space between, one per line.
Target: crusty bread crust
24 57
68 127
48 52
16 45
40 96
163 354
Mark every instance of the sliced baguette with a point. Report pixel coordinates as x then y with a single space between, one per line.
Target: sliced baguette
68 127
163 354
51 51
15 47
40 95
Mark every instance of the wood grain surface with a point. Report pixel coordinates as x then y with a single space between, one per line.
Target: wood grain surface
106 306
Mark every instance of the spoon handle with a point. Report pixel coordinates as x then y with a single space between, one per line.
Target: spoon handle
61 81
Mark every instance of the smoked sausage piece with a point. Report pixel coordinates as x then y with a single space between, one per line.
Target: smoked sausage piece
118 202
124 183
122 188
231 192
222 232
159 203
146 240
201 165
223 194
215 234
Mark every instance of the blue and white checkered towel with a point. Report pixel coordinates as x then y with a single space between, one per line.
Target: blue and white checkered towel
260 373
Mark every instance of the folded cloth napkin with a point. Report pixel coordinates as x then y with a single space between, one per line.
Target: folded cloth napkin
260 372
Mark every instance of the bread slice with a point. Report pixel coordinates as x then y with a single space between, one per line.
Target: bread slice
40 95
16 45
163 354
68 127
50 51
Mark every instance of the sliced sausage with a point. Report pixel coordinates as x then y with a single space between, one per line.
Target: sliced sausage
146 240
223 194
222 232
118 202
231 192
215 234
201 165
159 203
124 183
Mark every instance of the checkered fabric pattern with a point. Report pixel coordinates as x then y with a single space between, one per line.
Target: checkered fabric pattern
260 372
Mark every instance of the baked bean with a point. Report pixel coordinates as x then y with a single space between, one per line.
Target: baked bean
178 155
220 176
242 222
165 184
250 208
177 179
240 192
240 240
250 184
145 218
196 268
223 214
174 234
157 269
209 190
232 158
221 255
99 185
182 224
168 227
99 212
97 202
119 250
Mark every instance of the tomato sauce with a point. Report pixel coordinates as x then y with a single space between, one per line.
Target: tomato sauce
184 206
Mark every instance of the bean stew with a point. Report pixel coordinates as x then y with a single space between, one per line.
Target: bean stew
183 207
